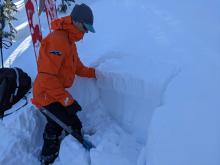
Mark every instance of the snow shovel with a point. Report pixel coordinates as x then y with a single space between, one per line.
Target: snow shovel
86 144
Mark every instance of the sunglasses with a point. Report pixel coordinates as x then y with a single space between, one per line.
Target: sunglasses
84 27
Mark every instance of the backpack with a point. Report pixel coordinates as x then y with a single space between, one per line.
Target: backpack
14 84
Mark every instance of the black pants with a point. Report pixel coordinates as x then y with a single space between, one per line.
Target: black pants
53 131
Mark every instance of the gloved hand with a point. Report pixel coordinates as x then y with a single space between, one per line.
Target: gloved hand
73 108
99 74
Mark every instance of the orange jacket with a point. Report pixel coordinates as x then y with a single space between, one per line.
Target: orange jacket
58 63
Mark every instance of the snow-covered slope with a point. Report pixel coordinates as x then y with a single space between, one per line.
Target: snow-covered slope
155 98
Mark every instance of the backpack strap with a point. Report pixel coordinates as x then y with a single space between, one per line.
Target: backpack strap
26 103
17 81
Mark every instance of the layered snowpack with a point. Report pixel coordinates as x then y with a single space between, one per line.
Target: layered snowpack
155 99
117 110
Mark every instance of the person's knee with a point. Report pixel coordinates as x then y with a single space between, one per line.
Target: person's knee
52 129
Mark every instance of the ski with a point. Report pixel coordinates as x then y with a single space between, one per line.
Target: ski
34 24
51 12
86 144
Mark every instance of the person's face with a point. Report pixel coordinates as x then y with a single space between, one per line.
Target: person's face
81 27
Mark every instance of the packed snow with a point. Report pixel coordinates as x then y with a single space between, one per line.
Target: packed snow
155 99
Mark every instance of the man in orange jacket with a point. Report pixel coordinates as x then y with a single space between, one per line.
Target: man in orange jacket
58 63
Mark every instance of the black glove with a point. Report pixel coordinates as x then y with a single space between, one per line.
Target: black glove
73 108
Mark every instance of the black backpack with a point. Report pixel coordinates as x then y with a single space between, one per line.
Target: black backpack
14 84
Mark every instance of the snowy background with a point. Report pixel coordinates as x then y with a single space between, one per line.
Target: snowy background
156 97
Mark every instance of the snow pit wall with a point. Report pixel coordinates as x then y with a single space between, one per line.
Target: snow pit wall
129 96
131 102
126 102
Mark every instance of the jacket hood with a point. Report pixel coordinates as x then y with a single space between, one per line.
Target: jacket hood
65 23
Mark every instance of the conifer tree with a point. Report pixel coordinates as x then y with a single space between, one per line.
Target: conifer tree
7 9
7 31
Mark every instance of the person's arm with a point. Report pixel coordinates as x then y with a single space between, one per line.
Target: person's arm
84 71
49 63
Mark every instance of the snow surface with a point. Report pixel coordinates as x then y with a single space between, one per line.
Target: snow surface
155 100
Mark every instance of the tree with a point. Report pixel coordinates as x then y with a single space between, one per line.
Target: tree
7 9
